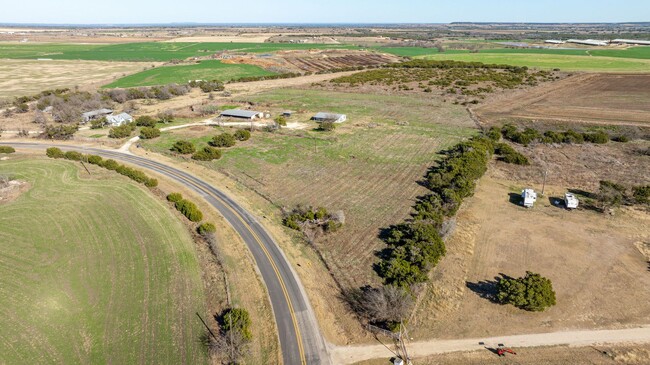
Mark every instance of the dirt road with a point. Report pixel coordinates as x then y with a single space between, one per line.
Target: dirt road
353 354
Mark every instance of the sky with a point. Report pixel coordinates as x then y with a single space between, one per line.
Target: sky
320 11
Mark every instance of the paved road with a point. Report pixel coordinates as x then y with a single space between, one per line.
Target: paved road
300 339
352 354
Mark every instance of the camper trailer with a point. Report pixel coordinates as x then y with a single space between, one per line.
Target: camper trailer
570 201
529 197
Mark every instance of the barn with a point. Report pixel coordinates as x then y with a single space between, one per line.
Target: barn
242 114
330 117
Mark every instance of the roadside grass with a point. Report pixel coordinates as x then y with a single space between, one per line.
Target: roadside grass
95 270
146 51
369 172
181 74
550 61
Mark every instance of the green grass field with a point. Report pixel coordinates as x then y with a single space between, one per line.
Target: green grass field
149 51
205 70
548 61
94 271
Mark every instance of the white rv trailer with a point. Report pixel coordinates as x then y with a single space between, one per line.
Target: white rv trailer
529 197
570 201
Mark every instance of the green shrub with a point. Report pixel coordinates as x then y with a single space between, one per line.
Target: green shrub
327 126
641 194
281 120
146 121
122 131
189 210
73 155
206 228
174 197
621 138
7 149
532 292
599 137
149 133
110 164
183 147
242 135
94 159
62 132
223 140
207 154
238 320
54 152
98 123
494 133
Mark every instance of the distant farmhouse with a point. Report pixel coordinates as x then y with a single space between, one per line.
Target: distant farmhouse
118 120
242 114
95 114
330 117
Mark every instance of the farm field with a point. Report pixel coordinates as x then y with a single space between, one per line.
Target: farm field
599 98
144 52
205 70
91 276
369 172
27 77
550 61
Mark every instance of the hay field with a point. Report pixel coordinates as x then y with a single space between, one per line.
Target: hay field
370 173
94 270
598 98
27 77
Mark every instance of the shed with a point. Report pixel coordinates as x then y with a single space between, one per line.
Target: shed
95 114
529 197
287 113
330 117
570 201
118 120
244 114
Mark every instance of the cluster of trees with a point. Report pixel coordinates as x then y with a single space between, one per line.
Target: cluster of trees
510 155
69 107
122 131
7 149
611 194
302 218
60 132
530 135
416 246
532 292
208 153
133 174
234 335
208 86
20 103
186 207
228 140
164 92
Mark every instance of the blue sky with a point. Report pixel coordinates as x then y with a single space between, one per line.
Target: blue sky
321 11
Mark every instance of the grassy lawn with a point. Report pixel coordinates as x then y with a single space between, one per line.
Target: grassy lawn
148 51
370 173
94 271
549 61
205 70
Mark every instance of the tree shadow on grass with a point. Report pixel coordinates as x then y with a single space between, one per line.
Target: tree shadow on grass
487 289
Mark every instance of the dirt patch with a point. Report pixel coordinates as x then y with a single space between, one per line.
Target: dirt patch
594 98
10 189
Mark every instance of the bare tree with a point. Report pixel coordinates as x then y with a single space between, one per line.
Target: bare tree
387 303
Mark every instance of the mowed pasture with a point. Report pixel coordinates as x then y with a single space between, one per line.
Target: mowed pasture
371 172
94 270
597 98
144 52
27 77
205 70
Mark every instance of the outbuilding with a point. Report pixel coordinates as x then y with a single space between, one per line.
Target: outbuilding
329 117
529 197
95 114
242 114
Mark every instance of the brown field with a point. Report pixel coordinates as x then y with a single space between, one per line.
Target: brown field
26 77
593 98
334 60
595 261
560 355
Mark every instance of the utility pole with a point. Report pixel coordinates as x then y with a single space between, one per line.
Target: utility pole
544 185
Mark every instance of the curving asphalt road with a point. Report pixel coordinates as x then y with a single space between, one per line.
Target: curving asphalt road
300 339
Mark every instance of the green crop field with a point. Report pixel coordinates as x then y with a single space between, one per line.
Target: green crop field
149 51
549 61
94 271
205 70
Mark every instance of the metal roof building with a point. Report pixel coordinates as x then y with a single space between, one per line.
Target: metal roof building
588 42
94 114
238 113
329 117
631 41
118 120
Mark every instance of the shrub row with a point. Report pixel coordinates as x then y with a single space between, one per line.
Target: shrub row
133 174
530 135
416 246
510 155
7 149
186 207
